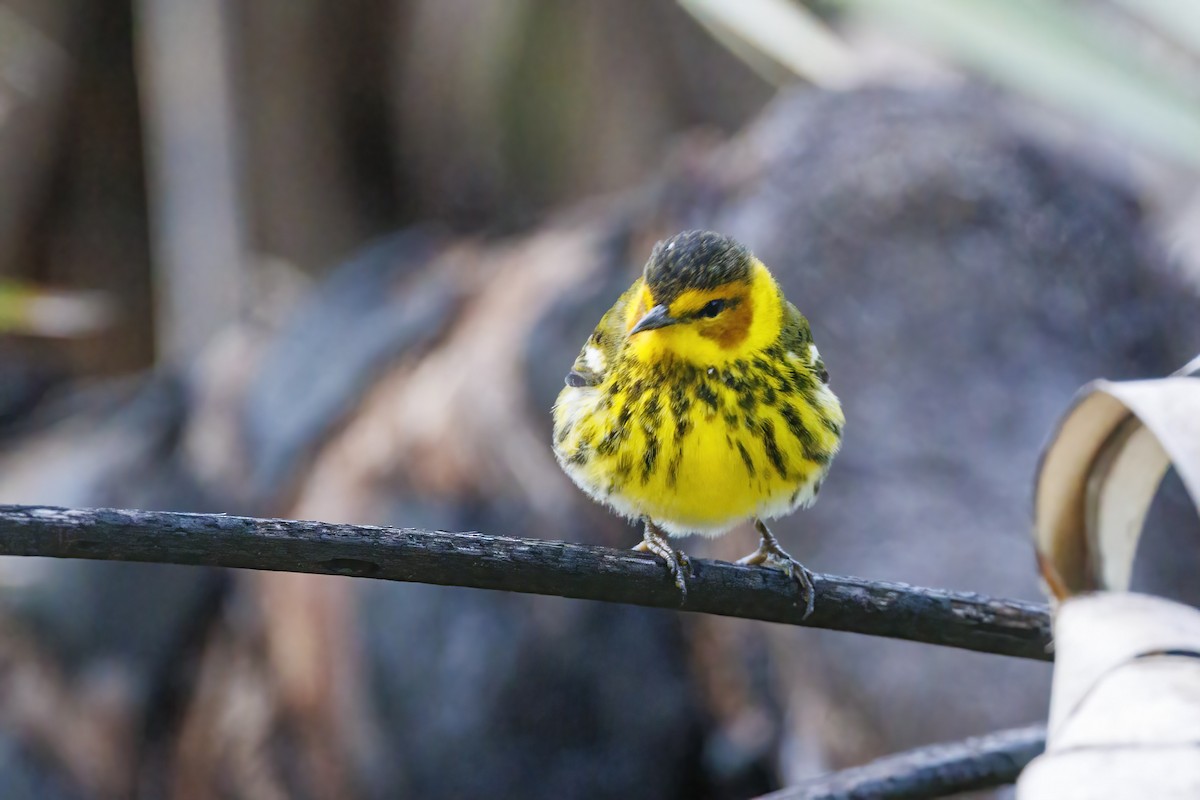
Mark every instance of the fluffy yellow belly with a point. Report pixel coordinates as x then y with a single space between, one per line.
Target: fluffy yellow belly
699 464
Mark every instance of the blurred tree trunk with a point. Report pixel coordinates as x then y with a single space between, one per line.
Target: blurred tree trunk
313 84
295 129
35 74
193 153
91 228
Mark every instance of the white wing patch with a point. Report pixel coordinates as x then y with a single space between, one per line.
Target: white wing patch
593 357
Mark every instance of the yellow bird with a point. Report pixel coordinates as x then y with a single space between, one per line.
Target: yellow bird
700 401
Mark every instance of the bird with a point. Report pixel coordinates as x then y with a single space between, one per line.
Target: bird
700 401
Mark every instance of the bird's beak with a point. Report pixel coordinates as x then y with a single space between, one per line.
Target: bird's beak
657 317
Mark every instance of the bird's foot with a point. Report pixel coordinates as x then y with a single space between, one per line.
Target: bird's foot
655 541
769 554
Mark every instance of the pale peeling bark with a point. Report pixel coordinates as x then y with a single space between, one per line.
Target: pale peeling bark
1125 711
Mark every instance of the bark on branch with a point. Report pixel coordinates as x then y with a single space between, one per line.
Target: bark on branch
535 566
981 762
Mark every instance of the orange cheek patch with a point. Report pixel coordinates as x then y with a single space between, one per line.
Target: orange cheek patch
730 329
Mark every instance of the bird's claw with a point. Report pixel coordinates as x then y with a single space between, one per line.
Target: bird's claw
803 576
678 564
676 567
769 554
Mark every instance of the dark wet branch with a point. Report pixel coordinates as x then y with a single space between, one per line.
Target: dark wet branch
982 762
535 566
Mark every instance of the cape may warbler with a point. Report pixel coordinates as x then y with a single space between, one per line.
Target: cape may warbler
700 401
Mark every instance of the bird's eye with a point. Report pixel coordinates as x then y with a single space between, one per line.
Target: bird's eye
712 308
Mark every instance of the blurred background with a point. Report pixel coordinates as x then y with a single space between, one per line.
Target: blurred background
331 260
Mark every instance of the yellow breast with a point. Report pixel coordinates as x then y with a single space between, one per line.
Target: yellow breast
699 450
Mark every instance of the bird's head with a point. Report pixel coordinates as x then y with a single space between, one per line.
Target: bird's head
704 299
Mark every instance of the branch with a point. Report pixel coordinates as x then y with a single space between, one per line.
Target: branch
535 566
981 762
